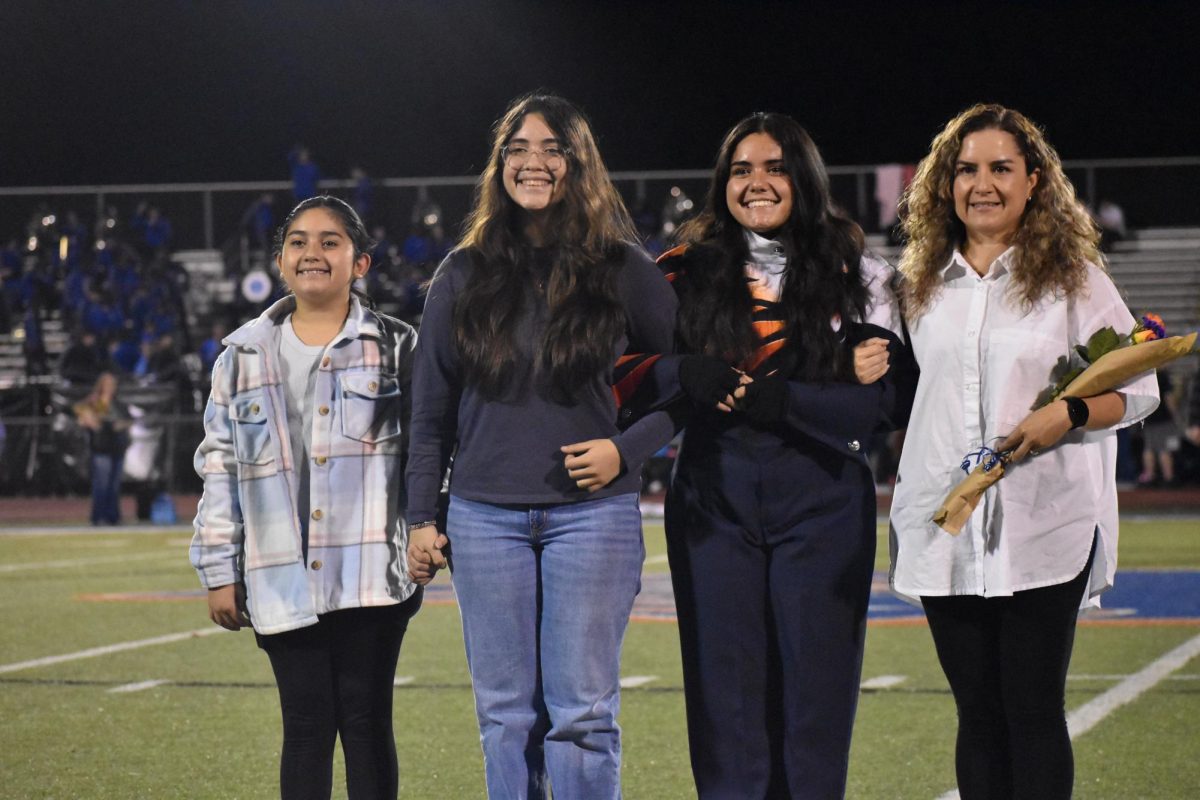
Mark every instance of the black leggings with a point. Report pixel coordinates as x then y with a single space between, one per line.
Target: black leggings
336 677
1006 660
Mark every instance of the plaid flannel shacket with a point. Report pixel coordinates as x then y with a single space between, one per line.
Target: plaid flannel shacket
246 527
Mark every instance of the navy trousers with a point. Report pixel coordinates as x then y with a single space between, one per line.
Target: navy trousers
771 555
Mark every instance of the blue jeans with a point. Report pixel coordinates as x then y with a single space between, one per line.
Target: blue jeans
545 594
106 488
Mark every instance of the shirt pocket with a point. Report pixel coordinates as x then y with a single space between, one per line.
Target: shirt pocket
1021 364
370 407
251 433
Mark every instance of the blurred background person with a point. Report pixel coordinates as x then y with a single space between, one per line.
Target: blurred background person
107 424
306 175
1160 438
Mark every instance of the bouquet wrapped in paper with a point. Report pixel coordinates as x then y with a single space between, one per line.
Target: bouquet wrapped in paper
1111 360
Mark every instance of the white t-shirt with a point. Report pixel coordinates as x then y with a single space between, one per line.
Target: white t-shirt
983 362
299 363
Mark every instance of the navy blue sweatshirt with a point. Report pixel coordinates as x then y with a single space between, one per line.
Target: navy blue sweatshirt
508 448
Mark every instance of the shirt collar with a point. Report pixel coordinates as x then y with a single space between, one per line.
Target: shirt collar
359 322
958 263
768 254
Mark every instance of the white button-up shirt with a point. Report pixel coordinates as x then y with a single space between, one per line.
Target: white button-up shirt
984 360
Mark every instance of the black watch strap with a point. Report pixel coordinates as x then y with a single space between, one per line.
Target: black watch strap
1077 411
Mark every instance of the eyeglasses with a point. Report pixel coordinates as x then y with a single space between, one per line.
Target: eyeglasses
517 156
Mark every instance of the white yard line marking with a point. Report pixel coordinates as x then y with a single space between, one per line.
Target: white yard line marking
884 681
659 559
403 680
1123 677
81 562
137 687
631 681
90 530
92 652
1090 714
1084 718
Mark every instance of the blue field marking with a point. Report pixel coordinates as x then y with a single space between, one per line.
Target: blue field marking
1155 594
1137 596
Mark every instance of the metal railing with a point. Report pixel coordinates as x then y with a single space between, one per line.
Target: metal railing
1154 191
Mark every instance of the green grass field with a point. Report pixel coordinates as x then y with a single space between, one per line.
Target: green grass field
211 729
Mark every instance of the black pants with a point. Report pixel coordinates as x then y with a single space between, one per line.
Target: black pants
336 678
1006 660
772 620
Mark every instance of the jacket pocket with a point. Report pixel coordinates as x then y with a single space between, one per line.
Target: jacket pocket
370 407
251 433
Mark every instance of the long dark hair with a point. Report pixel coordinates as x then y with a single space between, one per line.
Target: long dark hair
823 278
589 227
355 229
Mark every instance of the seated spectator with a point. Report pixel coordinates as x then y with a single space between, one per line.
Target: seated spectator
101 314
211 347
418 246
159 363
153 228
83 360
124 351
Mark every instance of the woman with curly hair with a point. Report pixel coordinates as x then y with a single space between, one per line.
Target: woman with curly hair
770 514
1003 278
522 325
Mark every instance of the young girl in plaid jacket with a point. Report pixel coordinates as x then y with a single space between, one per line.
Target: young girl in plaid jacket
300 532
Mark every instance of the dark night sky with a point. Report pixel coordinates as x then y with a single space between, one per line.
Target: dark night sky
108 92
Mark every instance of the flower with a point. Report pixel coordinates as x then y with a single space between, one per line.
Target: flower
1104 341
1150 328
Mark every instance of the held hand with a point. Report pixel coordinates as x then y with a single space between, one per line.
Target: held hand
708 381
592 464
1193 434
227 606
871 360
734 400
425 555
1040 430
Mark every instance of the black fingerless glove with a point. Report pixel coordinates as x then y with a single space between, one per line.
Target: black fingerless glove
706 379
766 400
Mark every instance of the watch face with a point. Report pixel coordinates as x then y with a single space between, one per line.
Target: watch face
1077 412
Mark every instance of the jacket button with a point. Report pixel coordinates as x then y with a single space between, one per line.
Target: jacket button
325 361
318 514
372 386
320 460
316 565
323 411
254 409
854 446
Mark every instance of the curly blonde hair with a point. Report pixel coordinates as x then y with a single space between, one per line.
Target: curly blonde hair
1055 240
